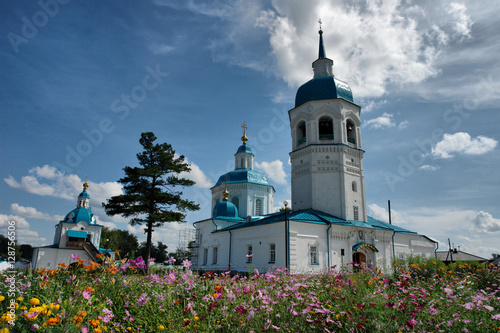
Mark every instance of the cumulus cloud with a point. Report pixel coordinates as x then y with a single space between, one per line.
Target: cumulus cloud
48 181
428 167
462 143
274 170
403 124
382 214
196 174
485 223
24 234
33 213
384 121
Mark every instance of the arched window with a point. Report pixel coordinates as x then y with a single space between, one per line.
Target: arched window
242 163
325 128
258 207
301 133
354 187
351 131
236 202
355 213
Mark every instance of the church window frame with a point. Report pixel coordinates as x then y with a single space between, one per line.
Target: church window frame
215 254
249 254
313 255
355 213
354 186
242 163
301 133
272 253
350 131
205 256
325 128
258 207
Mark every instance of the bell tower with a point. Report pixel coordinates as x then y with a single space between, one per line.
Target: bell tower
327 156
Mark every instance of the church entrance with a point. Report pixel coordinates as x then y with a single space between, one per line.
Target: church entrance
359 258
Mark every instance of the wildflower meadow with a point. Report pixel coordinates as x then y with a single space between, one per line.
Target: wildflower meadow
418 295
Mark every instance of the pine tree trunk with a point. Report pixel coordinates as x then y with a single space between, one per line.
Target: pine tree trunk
148 245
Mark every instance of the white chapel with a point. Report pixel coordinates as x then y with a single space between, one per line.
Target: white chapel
328 224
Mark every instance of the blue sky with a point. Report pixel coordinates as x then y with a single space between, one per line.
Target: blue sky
80 81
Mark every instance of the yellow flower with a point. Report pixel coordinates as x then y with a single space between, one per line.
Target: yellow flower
161 327
19 299
54 306
4 330
129 328
196 318
2 298
34 301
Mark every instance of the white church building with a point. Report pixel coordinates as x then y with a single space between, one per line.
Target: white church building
328 224
77 235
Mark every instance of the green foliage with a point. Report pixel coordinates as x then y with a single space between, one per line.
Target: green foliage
119 240
158 252
150 195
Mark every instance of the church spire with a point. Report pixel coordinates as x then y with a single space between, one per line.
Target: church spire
323 66
321 54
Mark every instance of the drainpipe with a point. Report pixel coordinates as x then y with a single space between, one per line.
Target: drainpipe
328 243
435 250
393 251
230 239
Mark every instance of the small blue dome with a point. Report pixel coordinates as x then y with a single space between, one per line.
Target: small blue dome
243 176
84 195
244 148
327 87
80 214
225 208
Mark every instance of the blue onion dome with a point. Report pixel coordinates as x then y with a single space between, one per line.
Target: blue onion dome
324 85
320 88
244 148
243 176
82 211
225 208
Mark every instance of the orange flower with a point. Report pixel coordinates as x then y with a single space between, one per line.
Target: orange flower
90 290
94 322
52 321
218 288
113 270
77 319
82 313
41 271
63 265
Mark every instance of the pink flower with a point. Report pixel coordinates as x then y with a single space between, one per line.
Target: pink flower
186 263
171 260
489 308
249 255
86 295
496 317
74 256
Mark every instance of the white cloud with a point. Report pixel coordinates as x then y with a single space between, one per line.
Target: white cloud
48 181
24 234
274 170
483 222
463 23
382 214
196 174
371 105
428 167
162 49
33 213
384 121
403 124
462 143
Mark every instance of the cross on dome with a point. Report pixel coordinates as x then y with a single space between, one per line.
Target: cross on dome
244 138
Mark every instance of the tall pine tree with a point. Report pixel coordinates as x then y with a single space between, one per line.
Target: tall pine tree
150 196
